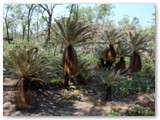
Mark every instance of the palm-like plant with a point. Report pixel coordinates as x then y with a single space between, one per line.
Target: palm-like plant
108 77
31 66
84 70
71 32
101 54
122 52
111 37
138 43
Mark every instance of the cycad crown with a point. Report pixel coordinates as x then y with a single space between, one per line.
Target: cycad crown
72 31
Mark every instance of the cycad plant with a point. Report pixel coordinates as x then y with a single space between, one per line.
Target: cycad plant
30 66
84 70
111 37
122 52
108 77
71 32
138 43
101 54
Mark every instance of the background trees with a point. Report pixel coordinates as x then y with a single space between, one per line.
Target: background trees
48 8
8 17
40 18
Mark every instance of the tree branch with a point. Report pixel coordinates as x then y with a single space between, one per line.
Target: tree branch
45 19
47 10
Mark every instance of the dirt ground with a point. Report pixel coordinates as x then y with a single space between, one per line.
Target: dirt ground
55 103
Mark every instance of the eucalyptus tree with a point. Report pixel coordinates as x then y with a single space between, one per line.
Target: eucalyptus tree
125 23
21 15
48 8
30 8
9 17
103 12
135 22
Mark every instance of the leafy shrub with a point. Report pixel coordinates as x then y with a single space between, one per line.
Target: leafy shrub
134 110
137 110
115 112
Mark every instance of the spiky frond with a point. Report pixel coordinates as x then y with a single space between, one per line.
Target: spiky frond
138 41
109 76
123 50
112 37
27 62
71 31
84 69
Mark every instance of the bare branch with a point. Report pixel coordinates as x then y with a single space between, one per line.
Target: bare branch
12 21
45 8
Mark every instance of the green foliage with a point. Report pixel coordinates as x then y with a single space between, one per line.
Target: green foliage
141 82
84 69
27 61
134 110
135 84
135 21
151 31
112 36
57 70
71 31
122 50
108 76
137 110
115 112
88 58
125 22
137 41
148 69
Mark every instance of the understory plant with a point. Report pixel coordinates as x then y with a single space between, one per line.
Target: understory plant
111 38
122 52
107 78
31 66
138 44
71 32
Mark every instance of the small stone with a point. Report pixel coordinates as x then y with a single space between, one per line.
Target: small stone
51 103
53 107
6 112
42 105
51 111
7 105
17 113
44 99
12 107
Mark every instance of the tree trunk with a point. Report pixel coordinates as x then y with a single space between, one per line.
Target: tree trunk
49 27
135 62
111 54
61 50
55 50
66 80
70 61
109 93
23 32
15 32
12 33
37 30
24 96
28 34
121 64
7 32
